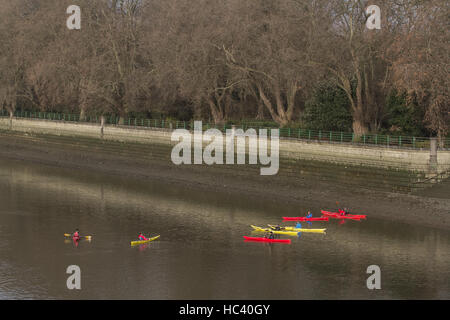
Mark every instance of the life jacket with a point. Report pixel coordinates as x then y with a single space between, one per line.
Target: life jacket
76 234
141 237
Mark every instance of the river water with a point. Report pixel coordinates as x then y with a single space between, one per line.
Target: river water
201 253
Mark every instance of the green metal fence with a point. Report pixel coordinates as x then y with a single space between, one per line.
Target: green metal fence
303 134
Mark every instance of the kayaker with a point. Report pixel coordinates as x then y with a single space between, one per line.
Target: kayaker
344 212
270 236
76 235
309 215
298 225
277 228
141 237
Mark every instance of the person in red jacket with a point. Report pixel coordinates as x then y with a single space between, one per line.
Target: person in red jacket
76 235
141 237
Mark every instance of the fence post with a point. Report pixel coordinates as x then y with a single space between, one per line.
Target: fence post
102 125
387 139
309 134
400 141
331 136
433 154
414 142
342 137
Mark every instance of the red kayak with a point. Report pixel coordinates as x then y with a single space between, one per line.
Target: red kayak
267 240
335 215
339 214
362 216
305 219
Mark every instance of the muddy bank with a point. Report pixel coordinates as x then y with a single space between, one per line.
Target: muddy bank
312 184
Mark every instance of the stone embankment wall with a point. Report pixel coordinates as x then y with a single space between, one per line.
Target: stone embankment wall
346 154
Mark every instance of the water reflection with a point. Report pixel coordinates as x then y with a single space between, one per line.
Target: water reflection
201 253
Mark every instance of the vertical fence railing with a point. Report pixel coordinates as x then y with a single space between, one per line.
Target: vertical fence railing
319 135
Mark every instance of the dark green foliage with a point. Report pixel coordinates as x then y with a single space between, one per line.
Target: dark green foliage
403 118
328 109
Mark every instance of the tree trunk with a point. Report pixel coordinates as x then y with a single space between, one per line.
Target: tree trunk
260 112
82 113
283 114
11 115
359 125
269 106
216 112
102 125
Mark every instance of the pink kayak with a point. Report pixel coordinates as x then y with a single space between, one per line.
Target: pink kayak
305 219
335 215
267 240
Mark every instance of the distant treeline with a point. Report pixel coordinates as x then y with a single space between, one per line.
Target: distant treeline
292 62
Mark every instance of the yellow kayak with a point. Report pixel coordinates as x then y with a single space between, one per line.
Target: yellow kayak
287 233
292 232
300 229
133 243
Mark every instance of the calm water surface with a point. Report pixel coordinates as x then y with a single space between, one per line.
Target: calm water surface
201 253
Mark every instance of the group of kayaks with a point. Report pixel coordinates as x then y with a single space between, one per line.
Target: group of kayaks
326 215
77 238
296 231
270 231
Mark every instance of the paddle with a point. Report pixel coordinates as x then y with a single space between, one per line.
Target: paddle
69 235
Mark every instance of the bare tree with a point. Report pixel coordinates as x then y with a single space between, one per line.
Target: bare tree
421 61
